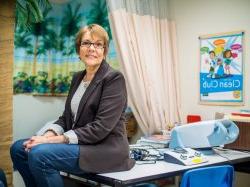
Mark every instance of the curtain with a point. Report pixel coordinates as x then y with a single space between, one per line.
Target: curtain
145 41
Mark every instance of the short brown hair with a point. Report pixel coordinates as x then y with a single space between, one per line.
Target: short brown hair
225 53
94 29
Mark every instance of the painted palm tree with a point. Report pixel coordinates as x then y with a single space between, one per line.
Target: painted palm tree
30 11
22 40
40 30
99 15
70 26
51 42
21 81
29 16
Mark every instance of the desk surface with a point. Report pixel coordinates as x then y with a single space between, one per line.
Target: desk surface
162 169
238 118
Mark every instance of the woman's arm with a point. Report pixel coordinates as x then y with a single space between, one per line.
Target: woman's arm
36 140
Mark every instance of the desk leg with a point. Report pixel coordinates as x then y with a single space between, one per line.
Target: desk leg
177 181
118 183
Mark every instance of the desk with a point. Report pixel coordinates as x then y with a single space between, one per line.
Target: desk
162 169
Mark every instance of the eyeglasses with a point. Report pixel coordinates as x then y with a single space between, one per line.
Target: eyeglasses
96 45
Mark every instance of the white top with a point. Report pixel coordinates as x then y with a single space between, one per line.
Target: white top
78 96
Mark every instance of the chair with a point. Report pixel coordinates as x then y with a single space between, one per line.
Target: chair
3 181
214 176
193 118
219 115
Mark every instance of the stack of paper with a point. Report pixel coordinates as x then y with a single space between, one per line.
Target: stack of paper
156 141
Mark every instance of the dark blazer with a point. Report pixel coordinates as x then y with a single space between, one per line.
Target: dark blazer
99 123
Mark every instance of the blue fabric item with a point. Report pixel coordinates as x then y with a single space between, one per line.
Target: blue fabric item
225 132
219 134
213 133
215 176
176 140
3 181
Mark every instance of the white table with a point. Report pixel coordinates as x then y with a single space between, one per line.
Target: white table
162 169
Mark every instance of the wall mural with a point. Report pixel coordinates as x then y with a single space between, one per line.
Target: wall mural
221 69
45 57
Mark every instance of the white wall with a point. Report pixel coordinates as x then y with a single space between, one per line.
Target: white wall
32 112
200 17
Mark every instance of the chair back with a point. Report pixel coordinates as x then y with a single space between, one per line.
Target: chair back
219 115
214 176
193 118
3 181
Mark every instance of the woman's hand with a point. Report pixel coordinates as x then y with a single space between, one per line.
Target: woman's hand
35 140
49 138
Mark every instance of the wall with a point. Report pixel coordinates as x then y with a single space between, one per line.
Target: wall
6 63
30 113
200 17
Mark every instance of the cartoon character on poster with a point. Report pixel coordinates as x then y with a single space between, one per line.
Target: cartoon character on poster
212 63
221 74
227 55
219 69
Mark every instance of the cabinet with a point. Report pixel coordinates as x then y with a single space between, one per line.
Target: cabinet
131 125
243 141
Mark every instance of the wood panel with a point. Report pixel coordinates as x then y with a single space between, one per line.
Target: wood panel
243 141
6 68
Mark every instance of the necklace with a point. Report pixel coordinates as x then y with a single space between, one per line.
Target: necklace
84 78
85 83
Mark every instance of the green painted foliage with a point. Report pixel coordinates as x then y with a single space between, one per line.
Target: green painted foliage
40 84
30 11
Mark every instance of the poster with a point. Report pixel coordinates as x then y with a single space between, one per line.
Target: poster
221 69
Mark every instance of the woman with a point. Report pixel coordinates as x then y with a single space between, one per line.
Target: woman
91 129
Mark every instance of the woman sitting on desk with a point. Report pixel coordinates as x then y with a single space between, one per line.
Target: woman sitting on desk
90 136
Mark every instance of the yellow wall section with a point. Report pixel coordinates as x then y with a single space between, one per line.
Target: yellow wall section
7 20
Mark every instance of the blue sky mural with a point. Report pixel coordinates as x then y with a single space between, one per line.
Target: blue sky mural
45 57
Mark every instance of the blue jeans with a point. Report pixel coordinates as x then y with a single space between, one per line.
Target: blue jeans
1 184
41 165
